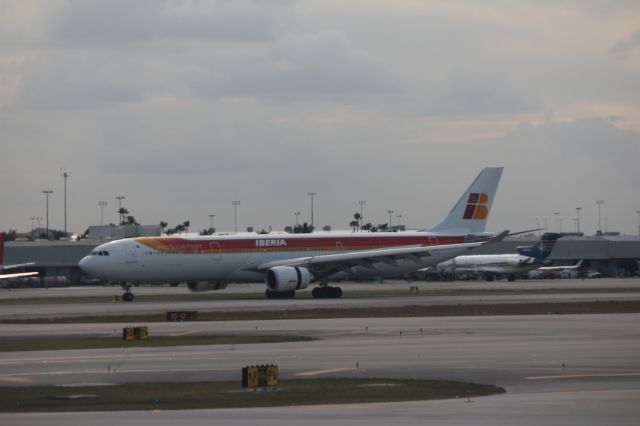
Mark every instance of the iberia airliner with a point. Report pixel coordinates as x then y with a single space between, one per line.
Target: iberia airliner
291 262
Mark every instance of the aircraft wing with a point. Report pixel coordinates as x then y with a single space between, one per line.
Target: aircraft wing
17 275
17 265
421 256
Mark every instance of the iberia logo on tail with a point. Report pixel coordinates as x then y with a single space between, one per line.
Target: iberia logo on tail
477 206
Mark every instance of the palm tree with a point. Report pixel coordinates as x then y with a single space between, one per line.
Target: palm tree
122 212
186 224
305 228
354 225
357 218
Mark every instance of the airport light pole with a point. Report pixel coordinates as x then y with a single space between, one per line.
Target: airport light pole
297 217
65 174
390 213
46 192
32 219
102 204
235 203
362 203
599 203
312 194
120 215
211 216
578 217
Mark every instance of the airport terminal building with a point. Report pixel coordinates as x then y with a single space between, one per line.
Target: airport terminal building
612 255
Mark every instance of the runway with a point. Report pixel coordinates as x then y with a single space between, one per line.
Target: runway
588 408
557 369
18 304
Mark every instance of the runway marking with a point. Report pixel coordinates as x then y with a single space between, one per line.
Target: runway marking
319 372
185 333
581 376
14 379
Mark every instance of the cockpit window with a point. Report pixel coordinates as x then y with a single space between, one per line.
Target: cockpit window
100 253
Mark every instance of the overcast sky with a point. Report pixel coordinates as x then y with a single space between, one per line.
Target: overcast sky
184 106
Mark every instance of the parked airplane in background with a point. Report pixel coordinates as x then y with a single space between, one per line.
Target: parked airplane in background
3 267
566 271
291 262
492 266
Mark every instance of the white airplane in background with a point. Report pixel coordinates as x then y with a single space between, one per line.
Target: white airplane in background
492 266
291 262
565 271
3 268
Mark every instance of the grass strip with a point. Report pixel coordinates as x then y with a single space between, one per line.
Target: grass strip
547 308
59 343
199 395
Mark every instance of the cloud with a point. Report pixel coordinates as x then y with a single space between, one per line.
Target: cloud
632 42
318 67
68 81
183 106
117 23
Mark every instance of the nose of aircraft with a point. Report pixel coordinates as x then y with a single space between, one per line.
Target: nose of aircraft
87 264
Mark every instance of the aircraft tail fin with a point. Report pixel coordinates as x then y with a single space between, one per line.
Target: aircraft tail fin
471 212
542 249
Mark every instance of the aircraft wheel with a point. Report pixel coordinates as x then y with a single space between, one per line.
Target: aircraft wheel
337 292
127 297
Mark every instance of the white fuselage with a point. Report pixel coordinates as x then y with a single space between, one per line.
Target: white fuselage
489 263
232 258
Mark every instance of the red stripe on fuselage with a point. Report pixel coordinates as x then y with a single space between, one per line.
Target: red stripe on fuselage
278 243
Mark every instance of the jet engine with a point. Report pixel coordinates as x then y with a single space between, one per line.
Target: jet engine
206 285
287 278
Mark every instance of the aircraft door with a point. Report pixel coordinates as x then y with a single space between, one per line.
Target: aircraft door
132 256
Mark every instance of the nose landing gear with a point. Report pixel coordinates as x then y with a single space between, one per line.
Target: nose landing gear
127 296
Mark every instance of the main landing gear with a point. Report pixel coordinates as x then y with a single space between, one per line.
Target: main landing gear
326 292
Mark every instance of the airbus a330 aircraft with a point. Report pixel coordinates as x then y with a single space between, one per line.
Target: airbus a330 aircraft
291 262
3 268
493 266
